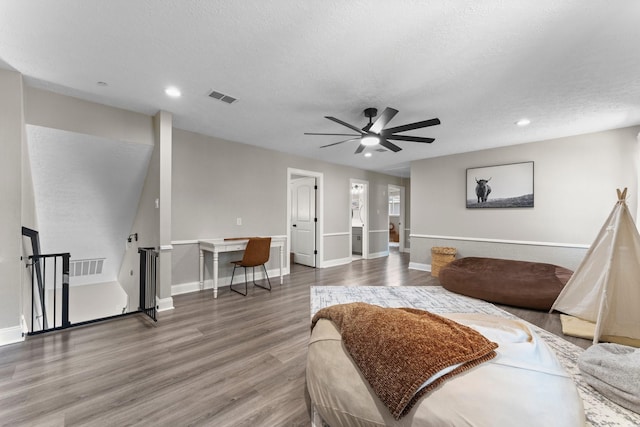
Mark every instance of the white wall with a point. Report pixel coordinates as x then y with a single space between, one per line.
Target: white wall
575 182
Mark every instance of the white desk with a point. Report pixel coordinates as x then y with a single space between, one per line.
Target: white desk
215 246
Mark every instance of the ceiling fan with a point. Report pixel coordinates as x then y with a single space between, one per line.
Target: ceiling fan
375 133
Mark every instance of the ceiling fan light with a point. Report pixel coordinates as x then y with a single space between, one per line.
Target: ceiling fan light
369 140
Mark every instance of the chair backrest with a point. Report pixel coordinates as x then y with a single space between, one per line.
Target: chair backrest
257 251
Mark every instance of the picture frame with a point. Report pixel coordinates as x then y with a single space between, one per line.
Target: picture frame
500 186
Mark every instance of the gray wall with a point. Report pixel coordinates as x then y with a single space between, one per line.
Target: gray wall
575 182
11 138
217 181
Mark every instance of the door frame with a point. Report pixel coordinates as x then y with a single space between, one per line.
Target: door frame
365 227
401 245
319 229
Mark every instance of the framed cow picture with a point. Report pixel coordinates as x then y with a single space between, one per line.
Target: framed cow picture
500 186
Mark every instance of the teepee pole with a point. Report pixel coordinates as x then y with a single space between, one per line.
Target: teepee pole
603 297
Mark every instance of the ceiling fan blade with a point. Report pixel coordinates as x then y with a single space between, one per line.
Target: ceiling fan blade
383 119
360 149
331 134
340 142
352 127
411 126
389 145
411 138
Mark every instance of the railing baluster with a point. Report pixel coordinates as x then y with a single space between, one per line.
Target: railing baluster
65 290
33 293
43 301
55 289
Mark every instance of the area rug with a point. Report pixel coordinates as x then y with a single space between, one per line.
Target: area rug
599 411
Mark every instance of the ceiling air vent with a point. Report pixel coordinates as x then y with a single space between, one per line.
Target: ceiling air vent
85 267
222 97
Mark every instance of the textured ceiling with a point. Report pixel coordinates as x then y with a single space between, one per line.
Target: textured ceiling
570 66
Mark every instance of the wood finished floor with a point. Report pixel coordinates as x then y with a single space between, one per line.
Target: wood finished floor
234 361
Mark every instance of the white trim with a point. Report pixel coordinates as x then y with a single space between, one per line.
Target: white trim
344 233
319 176
379 231
406 250
507 242
336 262
379 254
164 304
184 242
25 326
11 335
166 248
419 266
185 288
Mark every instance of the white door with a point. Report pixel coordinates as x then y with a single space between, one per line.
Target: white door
303 221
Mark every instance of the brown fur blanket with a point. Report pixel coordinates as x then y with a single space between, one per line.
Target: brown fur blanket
399 349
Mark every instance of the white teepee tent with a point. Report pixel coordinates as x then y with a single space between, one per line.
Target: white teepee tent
605 289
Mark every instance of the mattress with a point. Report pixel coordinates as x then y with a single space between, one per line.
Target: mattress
595 409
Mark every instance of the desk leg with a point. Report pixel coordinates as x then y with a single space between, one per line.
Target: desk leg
281 262
215 274
201 269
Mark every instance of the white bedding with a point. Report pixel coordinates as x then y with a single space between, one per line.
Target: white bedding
524 385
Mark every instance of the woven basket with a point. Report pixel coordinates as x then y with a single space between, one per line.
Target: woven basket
441 256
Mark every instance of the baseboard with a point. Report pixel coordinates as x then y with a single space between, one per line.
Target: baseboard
336 262
164 304
11 335
419 266
378 254
185 288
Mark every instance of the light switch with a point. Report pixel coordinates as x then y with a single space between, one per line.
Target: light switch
238 221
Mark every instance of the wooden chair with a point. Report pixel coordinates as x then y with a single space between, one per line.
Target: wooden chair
256 253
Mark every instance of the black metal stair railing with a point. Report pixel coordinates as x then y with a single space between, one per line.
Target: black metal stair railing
50 288
45 269
148 278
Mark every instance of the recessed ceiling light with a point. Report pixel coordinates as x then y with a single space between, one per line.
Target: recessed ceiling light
523 122
368 154
173 92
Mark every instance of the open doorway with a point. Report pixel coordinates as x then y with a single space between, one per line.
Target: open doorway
304 225
359 219
396 217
